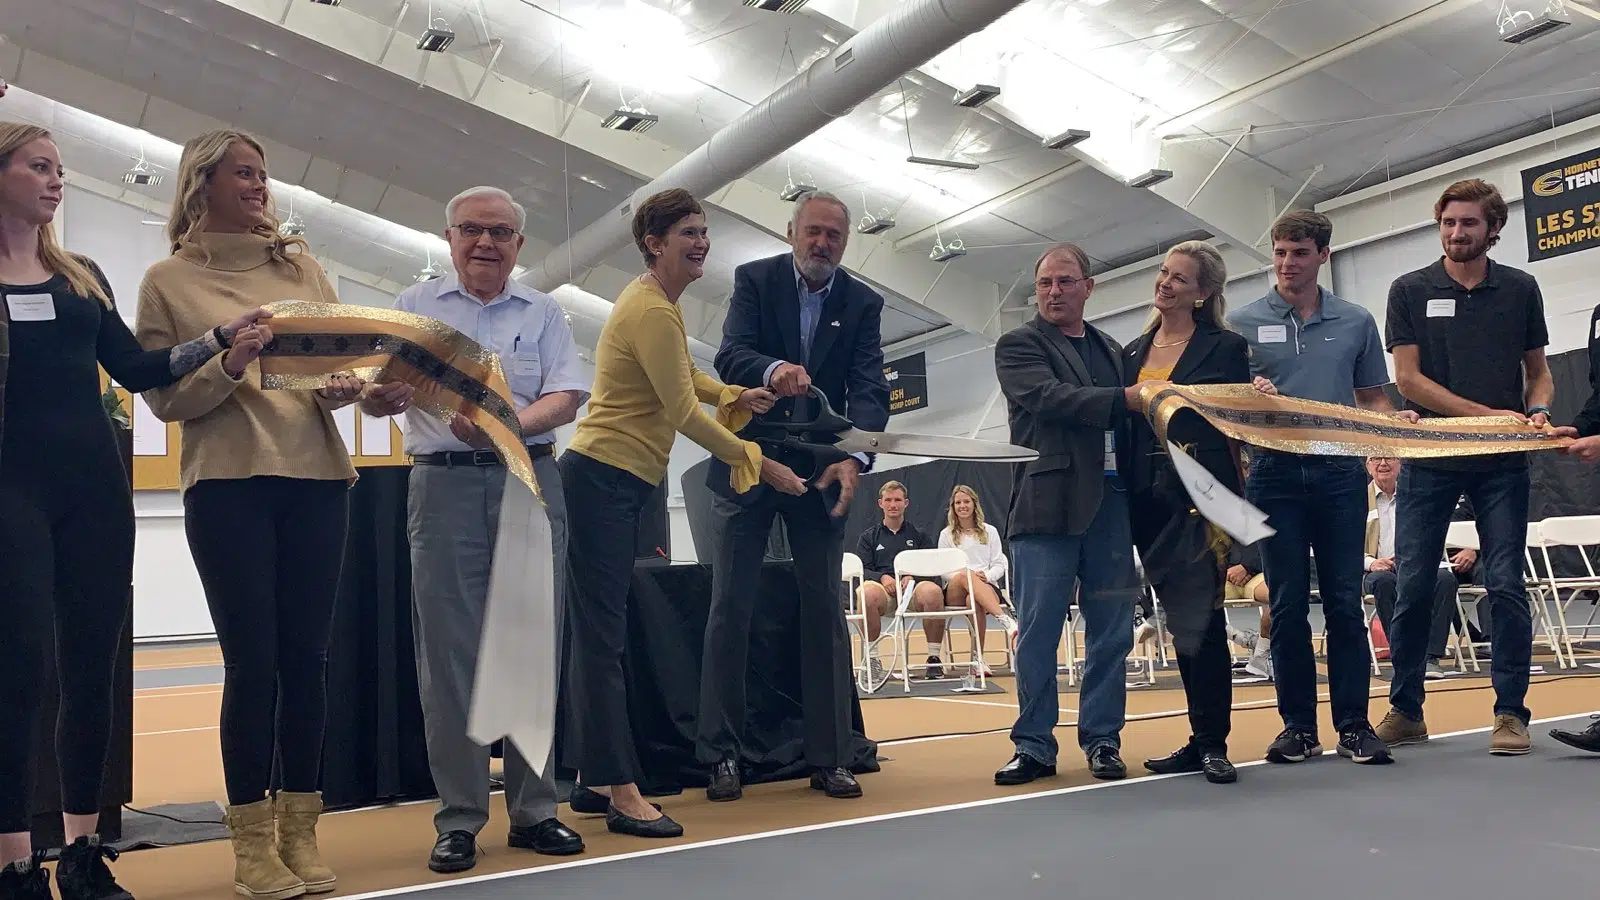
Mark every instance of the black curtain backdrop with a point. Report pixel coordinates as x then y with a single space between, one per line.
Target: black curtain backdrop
375 753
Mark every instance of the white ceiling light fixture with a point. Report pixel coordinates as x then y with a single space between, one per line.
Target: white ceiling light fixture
1149 179
943 252
941 163
626 119
976 96
437 37
1066 139
1520 25
871 224
141 174
326 2
778 6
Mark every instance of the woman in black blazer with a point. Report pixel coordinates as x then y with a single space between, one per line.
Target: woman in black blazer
1187 342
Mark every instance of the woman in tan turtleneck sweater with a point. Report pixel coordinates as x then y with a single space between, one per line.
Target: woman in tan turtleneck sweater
264 476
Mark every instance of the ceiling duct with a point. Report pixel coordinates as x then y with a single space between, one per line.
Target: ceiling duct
899 42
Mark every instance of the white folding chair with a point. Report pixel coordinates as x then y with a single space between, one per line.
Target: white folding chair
930 564
1535 586
855 613
1580 533
1464 536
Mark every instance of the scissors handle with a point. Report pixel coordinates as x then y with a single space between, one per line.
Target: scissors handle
826 421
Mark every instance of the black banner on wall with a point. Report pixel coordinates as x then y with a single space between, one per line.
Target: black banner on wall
1561 205
908 383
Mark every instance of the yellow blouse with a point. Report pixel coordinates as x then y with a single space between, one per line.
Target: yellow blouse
1149 374
647 389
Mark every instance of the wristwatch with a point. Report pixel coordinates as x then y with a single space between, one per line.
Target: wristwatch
1535 410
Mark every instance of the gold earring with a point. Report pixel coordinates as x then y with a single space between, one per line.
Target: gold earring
1199 303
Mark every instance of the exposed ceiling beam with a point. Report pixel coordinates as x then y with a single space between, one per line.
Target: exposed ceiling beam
993 204
1422 17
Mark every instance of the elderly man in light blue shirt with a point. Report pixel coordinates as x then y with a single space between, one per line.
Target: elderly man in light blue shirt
453 514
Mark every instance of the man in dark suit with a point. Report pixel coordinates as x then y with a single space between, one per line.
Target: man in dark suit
794 321
1068 525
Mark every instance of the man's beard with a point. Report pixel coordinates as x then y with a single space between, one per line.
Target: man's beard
816 269
1465 253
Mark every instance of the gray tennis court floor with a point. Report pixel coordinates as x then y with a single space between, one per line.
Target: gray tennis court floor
1446 820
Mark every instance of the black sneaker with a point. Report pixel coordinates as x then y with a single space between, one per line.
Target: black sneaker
25 879
935 668
82 873
1360 744
1292 746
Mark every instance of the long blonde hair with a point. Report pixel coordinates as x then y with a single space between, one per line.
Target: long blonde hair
1213 278
978 531
201 157
78 271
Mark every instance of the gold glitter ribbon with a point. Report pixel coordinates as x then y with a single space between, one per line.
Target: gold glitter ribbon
1314 428
453 375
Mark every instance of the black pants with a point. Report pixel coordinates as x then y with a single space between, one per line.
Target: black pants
66 576
269 552
1383 586
603 508
1188 579
816 542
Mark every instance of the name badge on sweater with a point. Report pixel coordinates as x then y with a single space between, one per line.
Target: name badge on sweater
1442 308
31 307
1111 453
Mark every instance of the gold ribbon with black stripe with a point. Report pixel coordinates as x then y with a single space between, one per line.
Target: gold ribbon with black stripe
452 374
1314 428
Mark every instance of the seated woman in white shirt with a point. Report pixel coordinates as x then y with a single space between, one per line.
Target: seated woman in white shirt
985 559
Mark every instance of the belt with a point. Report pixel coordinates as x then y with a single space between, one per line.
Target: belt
449 458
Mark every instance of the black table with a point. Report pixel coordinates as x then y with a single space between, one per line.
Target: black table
375 753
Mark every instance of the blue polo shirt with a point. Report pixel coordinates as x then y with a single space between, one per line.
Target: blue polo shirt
1326 357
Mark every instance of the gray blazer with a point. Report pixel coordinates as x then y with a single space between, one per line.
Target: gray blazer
1054 408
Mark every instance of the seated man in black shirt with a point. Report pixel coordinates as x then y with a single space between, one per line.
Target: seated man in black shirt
878 547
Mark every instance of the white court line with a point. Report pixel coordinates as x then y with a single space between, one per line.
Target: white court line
863 820
175 731
139 696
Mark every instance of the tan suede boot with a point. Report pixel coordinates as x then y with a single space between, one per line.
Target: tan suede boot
258 873
297 840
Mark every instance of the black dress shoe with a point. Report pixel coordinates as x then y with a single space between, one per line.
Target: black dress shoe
1217 768
725 782
1183 760
549 837
1022 769
837 783
1106 764
664 827
455 851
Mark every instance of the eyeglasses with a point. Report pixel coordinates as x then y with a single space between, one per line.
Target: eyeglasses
498 233
1065 282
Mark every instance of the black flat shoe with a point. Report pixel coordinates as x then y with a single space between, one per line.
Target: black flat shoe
549 837
725 784
1022 769
1106 764
837 783
590 803
455 851
664 827
1217 768
1181 761
1587 739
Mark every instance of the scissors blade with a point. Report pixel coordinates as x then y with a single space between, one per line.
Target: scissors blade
932 445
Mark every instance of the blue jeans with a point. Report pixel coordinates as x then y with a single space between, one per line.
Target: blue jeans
1318 504
1048 569
1425 500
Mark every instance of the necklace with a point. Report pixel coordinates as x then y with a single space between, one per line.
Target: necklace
1156 343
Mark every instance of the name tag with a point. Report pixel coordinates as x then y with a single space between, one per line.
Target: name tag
525 363
31 307
1273 334
1111 452
1442 308
1597 329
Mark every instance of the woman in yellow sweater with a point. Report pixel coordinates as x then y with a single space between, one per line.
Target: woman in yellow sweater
646 391
264 476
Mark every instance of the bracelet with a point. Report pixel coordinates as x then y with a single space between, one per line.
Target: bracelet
1535 410
223 339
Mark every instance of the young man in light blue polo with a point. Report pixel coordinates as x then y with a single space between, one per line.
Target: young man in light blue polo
1307 343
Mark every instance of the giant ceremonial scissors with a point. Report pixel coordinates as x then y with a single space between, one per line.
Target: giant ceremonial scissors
829 438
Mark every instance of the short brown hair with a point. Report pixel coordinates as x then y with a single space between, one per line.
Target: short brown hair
1486 195
1072 250
892 486
656 216
1304 225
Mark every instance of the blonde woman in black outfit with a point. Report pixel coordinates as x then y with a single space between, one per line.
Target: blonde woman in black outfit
1187 342
66 514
